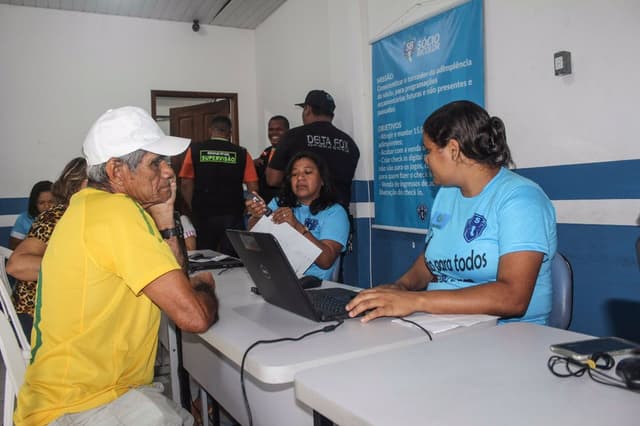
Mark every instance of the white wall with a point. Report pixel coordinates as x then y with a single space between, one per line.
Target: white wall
60 70
292 57
309 44
588 116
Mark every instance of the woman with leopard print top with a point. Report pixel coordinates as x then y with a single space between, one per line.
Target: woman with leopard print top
24 263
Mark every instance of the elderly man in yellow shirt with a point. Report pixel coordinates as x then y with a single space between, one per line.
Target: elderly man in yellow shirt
111 265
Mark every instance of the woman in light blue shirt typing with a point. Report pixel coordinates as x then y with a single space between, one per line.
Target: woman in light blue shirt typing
492 233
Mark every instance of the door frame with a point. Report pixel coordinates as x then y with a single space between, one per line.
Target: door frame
231 97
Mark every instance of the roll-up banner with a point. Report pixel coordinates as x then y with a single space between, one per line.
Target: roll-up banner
415 71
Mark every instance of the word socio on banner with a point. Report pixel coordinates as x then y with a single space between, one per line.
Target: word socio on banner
415 71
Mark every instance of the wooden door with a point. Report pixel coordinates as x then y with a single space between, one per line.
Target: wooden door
193 122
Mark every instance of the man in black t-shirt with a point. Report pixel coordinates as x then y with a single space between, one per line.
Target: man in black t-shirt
318 135
278 125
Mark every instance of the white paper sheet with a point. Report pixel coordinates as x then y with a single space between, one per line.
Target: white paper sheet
440 323
300 251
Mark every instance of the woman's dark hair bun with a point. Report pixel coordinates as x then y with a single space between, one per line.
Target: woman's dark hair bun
491 143
482 138
497 126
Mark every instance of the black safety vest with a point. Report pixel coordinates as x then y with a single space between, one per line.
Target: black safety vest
219 172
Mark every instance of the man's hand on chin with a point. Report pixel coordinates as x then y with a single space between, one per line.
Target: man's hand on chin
162 212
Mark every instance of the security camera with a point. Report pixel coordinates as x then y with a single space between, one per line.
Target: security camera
196 26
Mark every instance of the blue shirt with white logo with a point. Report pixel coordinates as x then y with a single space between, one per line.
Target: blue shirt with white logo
331 223
468 235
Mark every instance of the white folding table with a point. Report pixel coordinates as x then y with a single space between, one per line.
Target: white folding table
213 358
495 377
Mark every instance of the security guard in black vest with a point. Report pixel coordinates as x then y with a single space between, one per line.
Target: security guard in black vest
212 176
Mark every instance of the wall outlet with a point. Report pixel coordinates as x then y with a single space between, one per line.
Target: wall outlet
562 62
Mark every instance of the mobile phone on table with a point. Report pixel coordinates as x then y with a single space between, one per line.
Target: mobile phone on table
251 196
582 350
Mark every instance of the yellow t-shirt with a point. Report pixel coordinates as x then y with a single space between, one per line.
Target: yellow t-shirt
95 333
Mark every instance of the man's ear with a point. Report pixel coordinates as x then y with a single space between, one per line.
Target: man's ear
115 169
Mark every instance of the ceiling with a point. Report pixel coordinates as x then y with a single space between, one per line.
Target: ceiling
246 14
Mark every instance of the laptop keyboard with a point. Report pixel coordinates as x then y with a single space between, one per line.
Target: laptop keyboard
331 301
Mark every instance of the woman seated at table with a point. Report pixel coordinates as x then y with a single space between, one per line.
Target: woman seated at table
24 263
40 199
308 203
492 234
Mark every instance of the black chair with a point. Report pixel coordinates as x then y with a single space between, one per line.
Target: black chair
562 298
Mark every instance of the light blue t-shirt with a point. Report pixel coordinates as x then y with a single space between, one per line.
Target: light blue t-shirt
21 227
331 223
468 235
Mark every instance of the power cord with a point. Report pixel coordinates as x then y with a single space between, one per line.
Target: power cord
594 367
325 329
417 325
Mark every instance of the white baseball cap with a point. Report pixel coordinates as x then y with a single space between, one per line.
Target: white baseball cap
122 131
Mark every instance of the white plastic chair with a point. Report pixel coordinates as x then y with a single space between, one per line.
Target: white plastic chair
167 337
5 253
15 366
6 304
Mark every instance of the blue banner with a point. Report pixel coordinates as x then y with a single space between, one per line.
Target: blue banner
415 71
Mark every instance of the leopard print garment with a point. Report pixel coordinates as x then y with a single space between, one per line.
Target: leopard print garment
24 293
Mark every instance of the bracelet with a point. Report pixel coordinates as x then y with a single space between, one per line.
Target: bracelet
306 231
170 232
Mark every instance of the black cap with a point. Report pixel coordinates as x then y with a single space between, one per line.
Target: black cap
321 100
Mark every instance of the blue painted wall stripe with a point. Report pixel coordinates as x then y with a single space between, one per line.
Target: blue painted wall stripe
4 236
592 181
605 277
13 205
360 190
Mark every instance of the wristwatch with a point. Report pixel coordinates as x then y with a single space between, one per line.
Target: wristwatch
170 232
